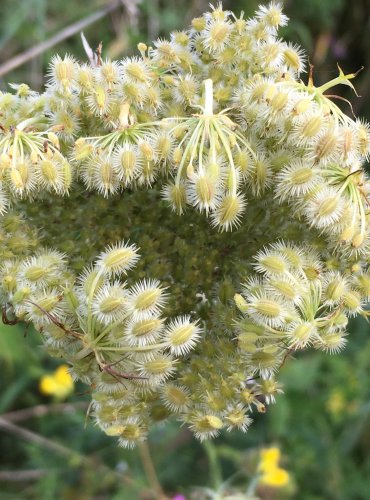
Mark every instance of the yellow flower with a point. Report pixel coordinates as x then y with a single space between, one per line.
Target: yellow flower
271 474
59 384
269 457
276 478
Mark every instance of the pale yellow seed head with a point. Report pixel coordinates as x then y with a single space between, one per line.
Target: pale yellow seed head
176 194
247 337
340 320
352 300
270 91
128 160
82 149
335 289
147 299
302 176
163 145
53 138
109 72
326 145
34 157
35 273
328 206
273 263
285 288
147 151
363 139
302 106
17 179
302 332
114 430
246 344
5 161
106 173
333 341
264 359
132 432
177 155
229 211
312 126
110 304
268 308
259 90
205 189
46 304
279 101
142 47
136 72
182 334
158 366
9 283
347 233
67 174
292 58
242 161
219 32
64 71
363 284
49 171
198 23
209 422
145 327
119 257
21 294
247 396
241 303
101 98
311 272
176 396
357 240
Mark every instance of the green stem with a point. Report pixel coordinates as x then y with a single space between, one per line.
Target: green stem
214 465
143 348
226 145
208 97
194 138
90 332
150 471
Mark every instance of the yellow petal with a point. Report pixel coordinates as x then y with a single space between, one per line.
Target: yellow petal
269 457
47 385
63 377
60 384
275 478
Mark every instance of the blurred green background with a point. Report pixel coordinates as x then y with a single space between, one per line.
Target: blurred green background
321 424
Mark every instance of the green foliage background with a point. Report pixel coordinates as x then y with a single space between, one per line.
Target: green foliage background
321 424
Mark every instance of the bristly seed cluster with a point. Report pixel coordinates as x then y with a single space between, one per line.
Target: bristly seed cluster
215 118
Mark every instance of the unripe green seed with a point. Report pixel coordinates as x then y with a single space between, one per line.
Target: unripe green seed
273 264
147 298
35 273
352 300
209 423
285 288
158 366
268 308
241 303
145 326
335 290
